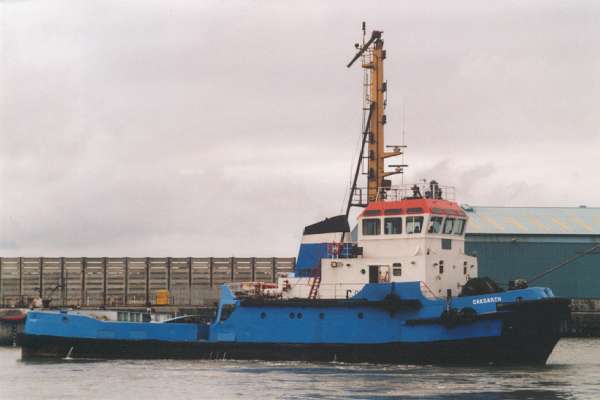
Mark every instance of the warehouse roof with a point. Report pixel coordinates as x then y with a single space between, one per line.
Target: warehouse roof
533 220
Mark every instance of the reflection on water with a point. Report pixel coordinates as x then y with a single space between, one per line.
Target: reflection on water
573 372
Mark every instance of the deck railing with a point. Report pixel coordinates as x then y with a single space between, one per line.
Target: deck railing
400 192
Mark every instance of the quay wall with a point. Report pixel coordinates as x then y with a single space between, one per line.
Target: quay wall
129 281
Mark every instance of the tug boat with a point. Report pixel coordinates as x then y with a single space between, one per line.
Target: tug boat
399 288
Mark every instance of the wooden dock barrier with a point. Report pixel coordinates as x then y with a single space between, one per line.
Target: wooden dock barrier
129 281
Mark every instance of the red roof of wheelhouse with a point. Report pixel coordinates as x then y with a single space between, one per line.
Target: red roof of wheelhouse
413 206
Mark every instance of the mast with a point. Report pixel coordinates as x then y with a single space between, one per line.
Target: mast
373 55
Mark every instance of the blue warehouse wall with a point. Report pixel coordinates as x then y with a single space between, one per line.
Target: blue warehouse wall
505 257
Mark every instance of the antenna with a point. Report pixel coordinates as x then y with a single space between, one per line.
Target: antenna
373 55
375 35
403 135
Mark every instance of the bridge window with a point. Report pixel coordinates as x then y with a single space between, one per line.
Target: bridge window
459 227
371 226
392 211
435 225
414 224
448 226
392 226
372 213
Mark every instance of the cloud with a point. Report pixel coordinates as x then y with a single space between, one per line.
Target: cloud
211 128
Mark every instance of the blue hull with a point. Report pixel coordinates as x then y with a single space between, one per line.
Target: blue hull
384 323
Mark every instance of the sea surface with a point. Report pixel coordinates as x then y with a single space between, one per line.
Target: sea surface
573 372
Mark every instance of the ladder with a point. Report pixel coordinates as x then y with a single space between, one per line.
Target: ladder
314 287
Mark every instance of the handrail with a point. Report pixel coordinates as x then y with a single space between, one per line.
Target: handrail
340 290
359 195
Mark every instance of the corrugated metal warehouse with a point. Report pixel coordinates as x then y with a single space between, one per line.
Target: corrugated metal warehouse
520 242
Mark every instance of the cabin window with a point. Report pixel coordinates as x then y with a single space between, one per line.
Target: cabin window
459 227
392 211
446 244
435 225
414 210
414 224
448 226
371 226
397 269
372 212
392 226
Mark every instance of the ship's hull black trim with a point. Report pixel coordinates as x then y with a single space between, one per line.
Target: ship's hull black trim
526 315
496 350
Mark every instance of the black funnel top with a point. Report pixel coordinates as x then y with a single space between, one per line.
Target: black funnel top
339 223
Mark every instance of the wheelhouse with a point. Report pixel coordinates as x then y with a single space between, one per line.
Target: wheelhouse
412 218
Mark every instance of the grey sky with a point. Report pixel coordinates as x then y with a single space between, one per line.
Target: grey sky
222 128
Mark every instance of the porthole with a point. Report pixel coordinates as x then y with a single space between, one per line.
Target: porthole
263 315
299 315
362 271
360 315
292 315
321 315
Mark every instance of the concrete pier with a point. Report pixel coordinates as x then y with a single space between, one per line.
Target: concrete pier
585 317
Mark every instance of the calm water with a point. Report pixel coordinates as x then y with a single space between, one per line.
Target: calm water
573 372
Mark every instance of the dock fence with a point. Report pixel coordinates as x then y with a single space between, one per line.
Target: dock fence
129 281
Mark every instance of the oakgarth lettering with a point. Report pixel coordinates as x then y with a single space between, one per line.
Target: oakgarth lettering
487 300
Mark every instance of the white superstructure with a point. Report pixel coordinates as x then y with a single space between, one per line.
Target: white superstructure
409 240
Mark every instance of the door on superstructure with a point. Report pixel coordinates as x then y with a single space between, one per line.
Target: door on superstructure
373 273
